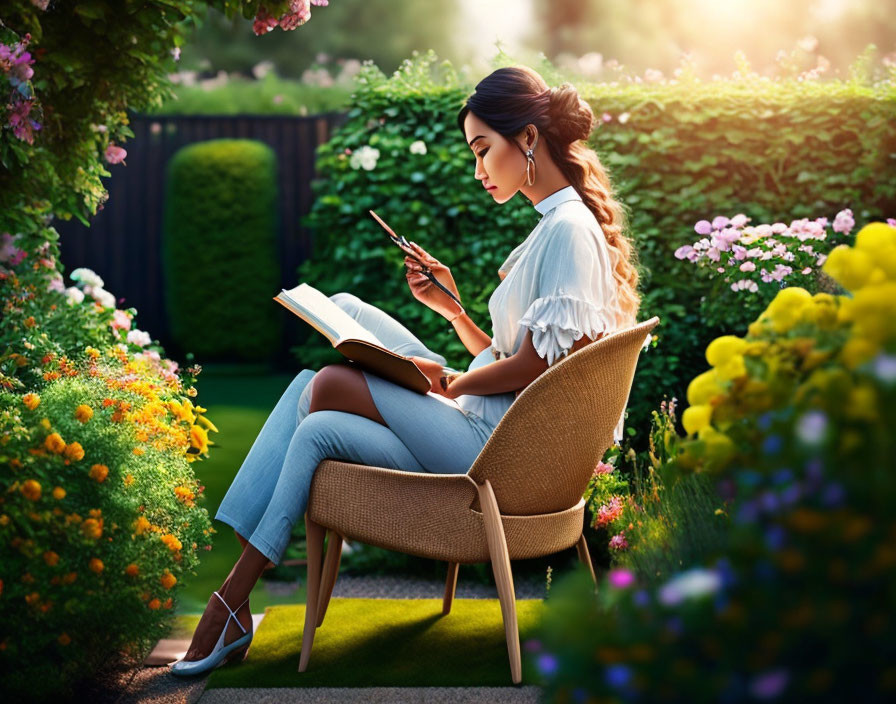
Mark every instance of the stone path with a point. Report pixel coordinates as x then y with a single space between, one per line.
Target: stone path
155 685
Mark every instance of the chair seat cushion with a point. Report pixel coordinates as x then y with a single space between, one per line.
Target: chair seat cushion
428 515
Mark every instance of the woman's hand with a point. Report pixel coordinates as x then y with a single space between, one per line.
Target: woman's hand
433 371
425 290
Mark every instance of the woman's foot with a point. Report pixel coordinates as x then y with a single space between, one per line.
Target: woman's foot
209 628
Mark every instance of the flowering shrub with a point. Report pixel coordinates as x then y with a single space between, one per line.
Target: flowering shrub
756 261
99 519
793 425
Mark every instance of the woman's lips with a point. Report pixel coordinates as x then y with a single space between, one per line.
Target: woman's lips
490 188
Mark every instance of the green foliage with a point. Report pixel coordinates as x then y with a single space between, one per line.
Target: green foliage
678 152
219 249
786 587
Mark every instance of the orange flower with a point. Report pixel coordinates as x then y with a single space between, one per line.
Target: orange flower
31 490
168 580
172 542
99 472
31 401
58 493
92 352
96 564
129 479
51 558
74 451
83 413
30 322
32 598
4 519
92 528
64 639
154 604
138 451
132 570
55 443
141 525
169 602
69 577
108 402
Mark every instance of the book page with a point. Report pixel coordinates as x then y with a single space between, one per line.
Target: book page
327 314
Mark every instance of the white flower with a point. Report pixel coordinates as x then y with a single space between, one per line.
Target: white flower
884 367
364 158
811 427
688 585
623 118
418 147
74 295
86 277
139 337
103 297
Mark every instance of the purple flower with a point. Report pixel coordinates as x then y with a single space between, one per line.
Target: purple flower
683 251
532 645
769 684
703 227
618 675
891 222
546 663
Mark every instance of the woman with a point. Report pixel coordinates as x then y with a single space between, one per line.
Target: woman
568 283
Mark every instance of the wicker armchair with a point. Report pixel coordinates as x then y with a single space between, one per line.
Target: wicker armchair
522 498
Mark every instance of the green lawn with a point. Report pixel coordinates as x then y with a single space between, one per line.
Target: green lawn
238 404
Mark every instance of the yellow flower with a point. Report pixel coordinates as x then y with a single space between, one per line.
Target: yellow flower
849 266
64 639
83 413
99 472
703 387
720 350
96 564
873 311
207 423
138 451
718 447
31 489
132 570
857 351
182 411
58 493
199 439
695 418
141 525
55 443
879 241
4 520
74 451
168 580
786 308
45 423
51 558
129 479
31 401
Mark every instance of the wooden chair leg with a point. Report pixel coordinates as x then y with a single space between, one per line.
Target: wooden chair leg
314 539
497 548
450 585
329 573
585 557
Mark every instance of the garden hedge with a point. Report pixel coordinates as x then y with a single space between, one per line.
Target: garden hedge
678 152
220 239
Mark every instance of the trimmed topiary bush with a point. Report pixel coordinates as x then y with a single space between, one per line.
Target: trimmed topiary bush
219 249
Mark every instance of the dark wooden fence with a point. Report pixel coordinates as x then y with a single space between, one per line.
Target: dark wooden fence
123 242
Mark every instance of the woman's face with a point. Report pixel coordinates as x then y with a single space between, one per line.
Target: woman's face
500 164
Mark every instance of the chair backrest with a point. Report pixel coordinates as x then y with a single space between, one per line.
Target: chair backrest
542 453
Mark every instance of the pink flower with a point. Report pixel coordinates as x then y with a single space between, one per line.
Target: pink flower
603 468
703 227
844 222
621 578
121 320
891 222
115 154
747 266
609 512
618 542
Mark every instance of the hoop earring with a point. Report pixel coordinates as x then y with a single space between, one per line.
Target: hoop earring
530 179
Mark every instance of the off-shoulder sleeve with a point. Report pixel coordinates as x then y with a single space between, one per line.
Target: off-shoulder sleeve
575 291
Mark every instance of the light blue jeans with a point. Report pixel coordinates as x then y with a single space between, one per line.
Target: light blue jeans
270 491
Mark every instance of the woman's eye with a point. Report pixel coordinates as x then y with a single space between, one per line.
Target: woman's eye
483 153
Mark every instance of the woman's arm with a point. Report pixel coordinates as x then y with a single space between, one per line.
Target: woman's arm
474 339
510 374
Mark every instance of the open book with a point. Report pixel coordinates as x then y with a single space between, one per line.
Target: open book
353 340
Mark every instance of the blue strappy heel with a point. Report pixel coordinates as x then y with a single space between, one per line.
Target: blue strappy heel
220 653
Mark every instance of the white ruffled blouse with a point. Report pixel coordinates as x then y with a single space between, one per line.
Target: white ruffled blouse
559 284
